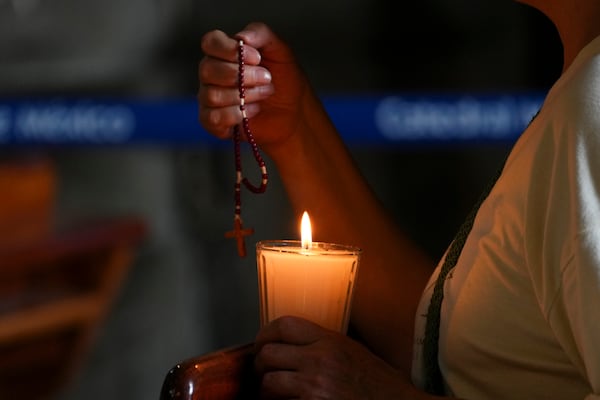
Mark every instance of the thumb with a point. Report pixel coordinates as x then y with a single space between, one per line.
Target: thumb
290 330
261 37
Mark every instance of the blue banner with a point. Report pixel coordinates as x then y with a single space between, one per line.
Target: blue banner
392 119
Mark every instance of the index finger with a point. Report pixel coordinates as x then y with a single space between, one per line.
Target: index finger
219 45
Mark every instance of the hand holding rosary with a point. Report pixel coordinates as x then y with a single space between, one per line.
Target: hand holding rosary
238 231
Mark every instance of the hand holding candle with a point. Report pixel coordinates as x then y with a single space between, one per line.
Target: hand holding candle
313 280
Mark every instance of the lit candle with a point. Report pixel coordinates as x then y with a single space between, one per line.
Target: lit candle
313 280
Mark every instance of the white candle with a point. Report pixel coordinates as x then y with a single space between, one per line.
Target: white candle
308 279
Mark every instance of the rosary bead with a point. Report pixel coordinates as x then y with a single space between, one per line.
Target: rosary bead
238 233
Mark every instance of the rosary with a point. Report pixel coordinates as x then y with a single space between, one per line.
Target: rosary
238 231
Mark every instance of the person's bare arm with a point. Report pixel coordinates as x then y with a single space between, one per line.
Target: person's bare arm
291 126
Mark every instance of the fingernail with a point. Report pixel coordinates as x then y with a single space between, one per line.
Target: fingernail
264 77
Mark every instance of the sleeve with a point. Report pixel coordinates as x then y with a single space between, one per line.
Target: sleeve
581 278
563 231
574 227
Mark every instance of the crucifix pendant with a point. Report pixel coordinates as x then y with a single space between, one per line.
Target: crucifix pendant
238 234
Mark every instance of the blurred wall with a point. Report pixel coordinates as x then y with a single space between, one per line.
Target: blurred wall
188 293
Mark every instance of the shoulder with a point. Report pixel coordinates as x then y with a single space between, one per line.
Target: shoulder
563 161
574 102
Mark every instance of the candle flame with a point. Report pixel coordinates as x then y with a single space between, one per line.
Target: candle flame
305 231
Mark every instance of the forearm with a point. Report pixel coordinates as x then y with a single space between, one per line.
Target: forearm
321 177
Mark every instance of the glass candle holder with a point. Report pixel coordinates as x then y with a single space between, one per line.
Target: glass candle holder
315 283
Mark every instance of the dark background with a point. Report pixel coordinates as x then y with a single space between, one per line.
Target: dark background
188 293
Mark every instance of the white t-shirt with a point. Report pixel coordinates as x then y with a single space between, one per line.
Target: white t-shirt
521 312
